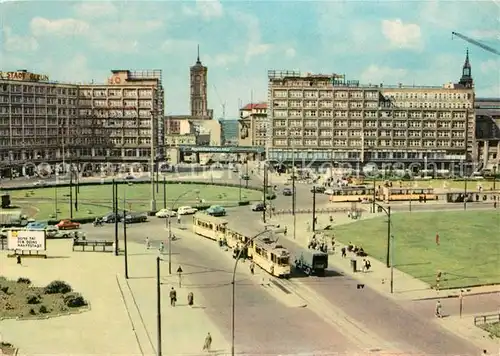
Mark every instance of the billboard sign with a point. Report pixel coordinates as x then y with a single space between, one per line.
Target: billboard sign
24 75
25 240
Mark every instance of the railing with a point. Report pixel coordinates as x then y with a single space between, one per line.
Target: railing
486 319
318 211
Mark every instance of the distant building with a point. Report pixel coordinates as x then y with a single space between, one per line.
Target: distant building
199 97
327 118
229 132
253 125
45 121
488 132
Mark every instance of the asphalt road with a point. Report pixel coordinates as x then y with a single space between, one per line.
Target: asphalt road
264 324
408 328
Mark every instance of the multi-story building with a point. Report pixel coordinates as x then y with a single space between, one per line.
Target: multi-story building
229 132
43 121
488 133
253 125
327 118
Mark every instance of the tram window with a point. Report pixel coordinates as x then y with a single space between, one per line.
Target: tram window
283 261
273 257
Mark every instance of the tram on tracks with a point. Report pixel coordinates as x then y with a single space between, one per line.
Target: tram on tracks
263 250
351 194
389 194
209 226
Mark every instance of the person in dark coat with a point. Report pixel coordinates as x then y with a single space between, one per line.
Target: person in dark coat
208 342
173 297
190 298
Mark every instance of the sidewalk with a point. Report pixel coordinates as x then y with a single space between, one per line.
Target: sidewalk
405 286
122 318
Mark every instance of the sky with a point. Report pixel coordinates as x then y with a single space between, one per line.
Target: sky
372 41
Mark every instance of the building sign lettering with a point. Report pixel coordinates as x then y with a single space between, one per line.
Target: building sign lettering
26 76
26 240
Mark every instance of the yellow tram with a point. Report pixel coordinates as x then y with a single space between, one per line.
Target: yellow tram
208 226
270 256
406 194
351 194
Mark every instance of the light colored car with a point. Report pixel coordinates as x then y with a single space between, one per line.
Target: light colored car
165 213
39 183
186 210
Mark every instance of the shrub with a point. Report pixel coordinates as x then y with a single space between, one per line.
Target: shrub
32 311
43 309
24 280
243 203
74 300
33 299
5 289
55 287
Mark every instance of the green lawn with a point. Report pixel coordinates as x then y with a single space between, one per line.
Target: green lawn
468 253
97 199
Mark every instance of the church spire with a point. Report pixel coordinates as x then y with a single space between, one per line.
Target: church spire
466 79
198 56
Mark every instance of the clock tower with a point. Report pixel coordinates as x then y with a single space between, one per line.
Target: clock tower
198 79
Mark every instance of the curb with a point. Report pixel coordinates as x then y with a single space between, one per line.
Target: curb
449 296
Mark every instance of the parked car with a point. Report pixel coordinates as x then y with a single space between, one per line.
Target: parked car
67 225
216 210
259 207
287 192
186 210
39 183
51 231
110 217
245 177
165 213
129 177
135 218
36 225
318 189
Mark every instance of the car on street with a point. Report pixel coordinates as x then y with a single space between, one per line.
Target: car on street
36 225
259 207
235 170
110 217
165 213
186 210
135 218
39 183
287 192
216 210
67 225
318 189
129 177
245 177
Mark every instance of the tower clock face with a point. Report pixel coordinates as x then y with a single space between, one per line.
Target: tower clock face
197 78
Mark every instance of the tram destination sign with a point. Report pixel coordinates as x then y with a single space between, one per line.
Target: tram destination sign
25 240
24 76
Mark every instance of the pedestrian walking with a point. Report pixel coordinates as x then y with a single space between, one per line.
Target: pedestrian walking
252 268
286 230
18 259
173 297
439 308
190 299
344 254
178 219
148 243
208 342
438 279
437 239
162 247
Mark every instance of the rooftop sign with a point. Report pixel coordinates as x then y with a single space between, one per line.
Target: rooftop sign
26 76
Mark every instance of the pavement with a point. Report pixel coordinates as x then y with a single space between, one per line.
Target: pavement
122 319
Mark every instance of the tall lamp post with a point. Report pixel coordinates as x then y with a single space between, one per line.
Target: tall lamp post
169 226
314 209
125 230
494 177
158 306
264 194
233 281
388 213
465 185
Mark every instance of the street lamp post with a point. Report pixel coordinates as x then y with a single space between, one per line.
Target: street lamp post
169 224
158 306
265 194
314 210
494 177
465 186
116 214
246 174
70 192
125 232
392 263
164 192
388 213
233 283
240 189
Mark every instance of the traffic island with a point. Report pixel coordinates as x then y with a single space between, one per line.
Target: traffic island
21 300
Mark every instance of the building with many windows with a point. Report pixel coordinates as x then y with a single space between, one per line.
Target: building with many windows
488 133
253 125
229 132
43 121
328 118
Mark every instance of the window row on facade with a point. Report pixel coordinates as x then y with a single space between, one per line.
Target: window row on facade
15 89
431 124
283 113
369 133
358 143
